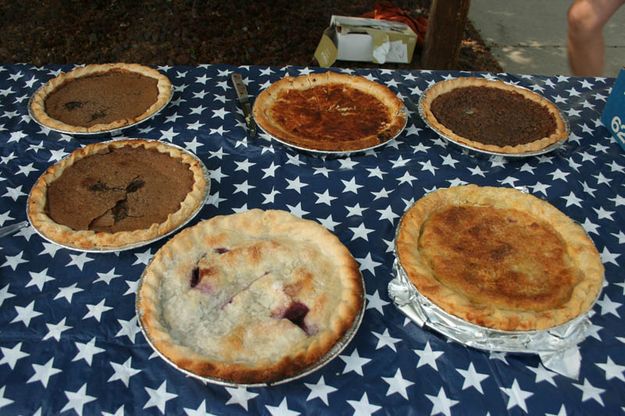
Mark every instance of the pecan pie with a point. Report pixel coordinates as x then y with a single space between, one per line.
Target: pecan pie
114 194
100 97
493 116
499 258
254 297
330 112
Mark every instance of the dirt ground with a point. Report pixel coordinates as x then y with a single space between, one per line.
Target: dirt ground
190 32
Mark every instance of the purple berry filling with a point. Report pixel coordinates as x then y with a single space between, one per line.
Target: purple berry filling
296 312
221 250
195 276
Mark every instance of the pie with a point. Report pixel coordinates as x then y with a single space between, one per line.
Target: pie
100 97
330 112
253 297
114 194
499 258
493 116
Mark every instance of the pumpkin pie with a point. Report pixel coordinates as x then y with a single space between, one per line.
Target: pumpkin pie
115 194
100 97
499 258
493 116
330 112
250 298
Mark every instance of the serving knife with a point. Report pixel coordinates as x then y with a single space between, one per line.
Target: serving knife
244 100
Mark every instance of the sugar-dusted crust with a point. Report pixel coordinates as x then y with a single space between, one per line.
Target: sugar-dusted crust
560 134
38 109
90 240
249 269
493 273
269 105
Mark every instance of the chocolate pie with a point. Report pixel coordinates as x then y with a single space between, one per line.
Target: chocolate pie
99 98
330 112
254 297
114 194
499 258
493 116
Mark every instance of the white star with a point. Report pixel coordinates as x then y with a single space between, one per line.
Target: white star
375 302
472 378
77 400
96 311
271 196
107 277
79 260
361 232
86 351
590 392
295 184
608 257
240 396
328 222
5 294
281 409
221 113
440 403
427 165
297 210
43 373
118 412
558 174
14 261
406 178
351 185
26 313
325 198
39 279
123 372
319 390
50 249
132 287
354 362
612 370
143 258
397 384
542 374
385 340
590 227
376 172
55 330
355 211
572 199
388 214
367 263
168 134
26 169
3 400
427 356
129 328
603 214
68 292
516 396
159 397
243 187
608 306
362 407
10 356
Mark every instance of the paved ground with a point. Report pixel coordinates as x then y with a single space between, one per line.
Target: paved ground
529 36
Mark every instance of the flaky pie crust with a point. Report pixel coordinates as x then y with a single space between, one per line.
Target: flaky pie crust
442 87
240 340
579 250
90 240
263 107
38 109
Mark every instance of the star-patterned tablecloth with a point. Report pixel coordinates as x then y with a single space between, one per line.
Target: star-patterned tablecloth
69 339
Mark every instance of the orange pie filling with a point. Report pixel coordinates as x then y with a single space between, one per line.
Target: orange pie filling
498 257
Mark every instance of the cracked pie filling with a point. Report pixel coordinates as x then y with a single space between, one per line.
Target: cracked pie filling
117 193
254 297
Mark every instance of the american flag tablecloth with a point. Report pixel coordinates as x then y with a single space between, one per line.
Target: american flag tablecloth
69 339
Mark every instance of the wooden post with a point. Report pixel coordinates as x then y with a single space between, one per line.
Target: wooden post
446 22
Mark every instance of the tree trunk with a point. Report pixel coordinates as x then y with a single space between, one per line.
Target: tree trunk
446 23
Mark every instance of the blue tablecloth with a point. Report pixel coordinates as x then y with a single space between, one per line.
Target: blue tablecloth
69 340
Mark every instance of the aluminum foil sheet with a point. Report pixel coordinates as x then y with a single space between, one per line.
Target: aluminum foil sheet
555 346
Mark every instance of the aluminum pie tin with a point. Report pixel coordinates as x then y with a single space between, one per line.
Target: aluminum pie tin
101 133
323 361
542 151
318 152
139 243
424 312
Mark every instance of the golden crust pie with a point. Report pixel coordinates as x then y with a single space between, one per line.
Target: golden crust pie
100 97
113 194
254 297
493 116
330 112
499 258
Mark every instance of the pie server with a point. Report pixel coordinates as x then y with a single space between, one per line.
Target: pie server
244 99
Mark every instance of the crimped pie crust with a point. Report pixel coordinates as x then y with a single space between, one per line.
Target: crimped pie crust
38 109
443 87
253 297
317 92
87 239
499 258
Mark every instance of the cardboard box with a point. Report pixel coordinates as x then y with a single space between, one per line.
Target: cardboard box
613 116
365 40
